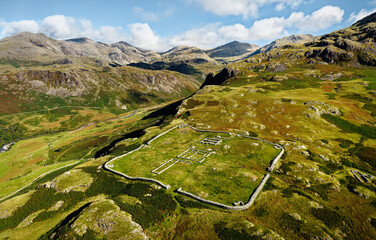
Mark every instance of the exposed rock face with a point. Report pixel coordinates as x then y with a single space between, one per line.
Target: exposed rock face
107 220
57 78
219 78
330 54
62 84
276 67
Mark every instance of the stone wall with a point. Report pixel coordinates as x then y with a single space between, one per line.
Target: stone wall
195 197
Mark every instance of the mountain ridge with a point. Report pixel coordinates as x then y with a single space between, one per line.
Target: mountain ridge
120 52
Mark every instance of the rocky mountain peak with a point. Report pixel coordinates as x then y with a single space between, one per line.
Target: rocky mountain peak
25 36
82 40
123 43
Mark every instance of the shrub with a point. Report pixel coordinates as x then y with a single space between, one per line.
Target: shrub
364 130
290 223
344 143
224 232
373 222
322 190
188 203
12 133
370 107
358 97
154 208
367 154
329 217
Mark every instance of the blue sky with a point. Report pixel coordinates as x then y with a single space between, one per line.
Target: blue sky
160 25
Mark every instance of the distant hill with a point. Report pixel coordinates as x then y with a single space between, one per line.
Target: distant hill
232 49
183 53
293 39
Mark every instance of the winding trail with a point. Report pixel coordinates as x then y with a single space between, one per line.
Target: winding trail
252 197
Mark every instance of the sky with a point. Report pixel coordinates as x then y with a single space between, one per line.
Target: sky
162 24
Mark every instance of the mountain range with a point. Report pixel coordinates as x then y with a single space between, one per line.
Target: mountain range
40 48
85 71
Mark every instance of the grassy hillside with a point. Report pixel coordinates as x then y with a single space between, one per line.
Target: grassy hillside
31 88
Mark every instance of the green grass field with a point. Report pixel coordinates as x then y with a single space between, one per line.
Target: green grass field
229 174
28 159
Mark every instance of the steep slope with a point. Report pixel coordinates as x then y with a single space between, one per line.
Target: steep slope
356 44
117 88
38 71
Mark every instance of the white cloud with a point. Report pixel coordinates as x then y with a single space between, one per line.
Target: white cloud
280 7
271 28
210 35
147 16
264 29
109 34
62 27
143 36
151 16
243 8
237 31
203 37
320 19
10 28
354 17
59 26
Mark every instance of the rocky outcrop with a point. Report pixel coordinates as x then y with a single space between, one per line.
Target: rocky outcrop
355 44
57 78
219 78
330 54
